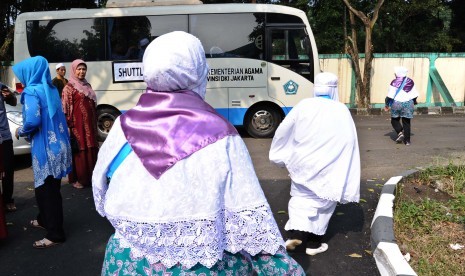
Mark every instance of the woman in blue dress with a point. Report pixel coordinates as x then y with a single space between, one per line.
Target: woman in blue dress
45 126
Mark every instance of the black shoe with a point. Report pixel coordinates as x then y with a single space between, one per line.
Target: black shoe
400 137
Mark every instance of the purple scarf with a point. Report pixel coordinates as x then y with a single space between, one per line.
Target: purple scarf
166 127
398 81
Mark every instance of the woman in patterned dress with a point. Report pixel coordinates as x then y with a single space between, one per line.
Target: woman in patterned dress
44 124
80 107
185 199
401 98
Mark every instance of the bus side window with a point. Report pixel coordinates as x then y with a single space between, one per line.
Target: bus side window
288 50
124 36
244 38
64 40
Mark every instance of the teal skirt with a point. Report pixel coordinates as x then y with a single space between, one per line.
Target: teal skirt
118 261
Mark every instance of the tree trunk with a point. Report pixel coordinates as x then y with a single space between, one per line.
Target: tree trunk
363 83
353 52
366 100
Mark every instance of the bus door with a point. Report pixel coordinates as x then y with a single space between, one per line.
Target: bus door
290 70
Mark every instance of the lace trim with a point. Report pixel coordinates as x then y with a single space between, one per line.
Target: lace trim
203 241
320 186
56 165
99 199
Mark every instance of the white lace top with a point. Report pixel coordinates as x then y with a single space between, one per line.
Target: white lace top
205 204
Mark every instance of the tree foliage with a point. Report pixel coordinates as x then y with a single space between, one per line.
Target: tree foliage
327 18
402 26
414 26
457 30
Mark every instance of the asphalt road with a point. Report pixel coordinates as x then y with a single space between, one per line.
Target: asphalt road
435 140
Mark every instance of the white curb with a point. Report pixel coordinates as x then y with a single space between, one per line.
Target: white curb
388 257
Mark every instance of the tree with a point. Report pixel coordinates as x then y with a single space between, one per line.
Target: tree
414 26
327 20
8 13
363 83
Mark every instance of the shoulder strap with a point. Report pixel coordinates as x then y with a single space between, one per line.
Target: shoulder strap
400 87
122 154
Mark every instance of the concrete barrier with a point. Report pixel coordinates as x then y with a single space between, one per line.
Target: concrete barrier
388 257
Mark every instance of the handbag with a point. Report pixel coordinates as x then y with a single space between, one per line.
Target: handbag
74 143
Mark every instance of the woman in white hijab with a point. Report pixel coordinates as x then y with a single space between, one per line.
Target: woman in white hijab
185 198
317 143
401 98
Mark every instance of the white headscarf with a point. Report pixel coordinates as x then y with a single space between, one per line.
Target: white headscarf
180 64
326 86
400 71
317 143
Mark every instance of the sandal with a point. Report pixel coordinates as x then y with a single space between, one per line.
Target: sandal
44 243
313 251
10 207
35 223
78 185
292 244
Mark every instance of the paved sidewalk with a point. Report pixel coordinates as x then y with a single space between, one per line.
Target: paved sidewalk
81 254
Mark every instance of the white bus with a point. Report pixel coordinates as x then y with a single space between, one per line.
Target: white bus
262 58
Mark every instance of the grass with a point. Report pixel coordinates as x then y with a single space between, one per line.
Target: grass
429 216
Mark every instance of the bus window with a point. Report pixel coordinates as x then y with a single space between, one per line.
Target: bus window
290 49
162 24
125 34
281 18
65 40
244 37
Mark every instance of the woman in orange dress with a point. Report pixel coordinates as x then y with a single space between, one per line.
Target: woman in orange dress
80 107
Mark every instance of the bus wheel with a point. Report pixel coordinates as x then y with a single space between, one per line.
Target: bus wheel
105 118
262 121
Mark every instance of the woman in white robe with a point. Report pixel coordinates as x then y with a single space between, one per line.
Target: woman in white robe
317 143
185 199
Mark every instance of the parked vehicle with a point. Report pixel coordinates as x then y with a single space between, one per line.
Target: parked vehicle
262 57
15 120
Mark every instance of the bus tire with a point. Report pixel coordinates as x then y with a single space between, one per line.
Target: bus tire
106 116
262 121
